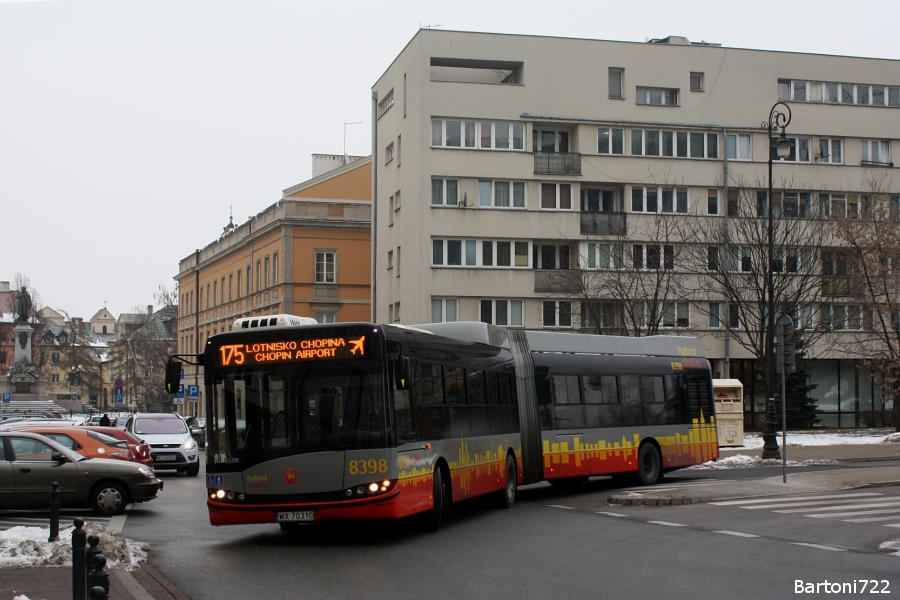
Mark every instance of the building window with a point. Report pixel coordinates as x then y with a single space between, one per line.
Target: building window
556 313
266 272
230 286
714 308
550 256
556 196
444 192
397 272
610 141
734 314
740 259
215 297
737 146
54 378
696 81
274 273
389 153
653 257
390 260
799 151
605 256
501 194
712 202
549 140
712 258
659 96
479 253
876 153
483 135
325 318
502 312
838 93
654 199
444 310
54 358
681 144
676 314
396 312
830 151
616 83
325 263
386 104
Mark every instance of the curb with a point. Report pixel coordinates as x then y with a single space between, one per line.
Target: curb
155 584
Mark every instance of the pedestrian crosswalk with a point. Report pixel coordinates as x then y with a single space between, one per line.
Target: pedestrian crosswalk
852 507
24 518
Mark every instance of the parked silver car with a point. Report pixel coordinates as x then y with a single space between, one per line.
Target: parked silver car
171 444
30 463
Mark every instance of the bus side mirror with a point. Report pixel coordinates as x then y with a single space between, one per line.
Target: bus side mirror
401 373
173 375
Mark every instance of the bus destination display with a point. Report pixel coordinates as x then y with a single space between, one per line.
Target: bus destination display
258 353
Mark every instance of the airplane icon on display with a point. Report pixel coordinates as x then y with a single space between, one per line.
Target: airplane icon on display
358 345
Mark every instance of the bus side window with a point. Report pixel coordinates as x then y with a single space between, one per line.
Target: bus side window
544 396
675 400
653 398
630 390
428 402
478 410
601 401
567 409
404 421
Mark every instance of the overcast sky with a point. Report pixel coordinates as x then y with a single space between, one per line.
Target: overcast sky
128 129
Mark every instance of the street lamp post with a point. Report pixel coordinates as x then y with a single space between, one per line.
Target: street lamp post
778 121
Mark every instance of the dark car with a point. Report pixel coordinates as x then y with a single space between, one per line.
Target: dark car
30 463
198 429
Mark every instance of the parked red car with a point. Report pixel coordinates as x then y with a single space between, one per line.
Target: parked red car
139 449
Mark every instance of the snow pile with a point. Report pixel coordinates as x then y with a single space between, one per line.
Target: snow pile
797 439
22 597
28 547
742 461
891 547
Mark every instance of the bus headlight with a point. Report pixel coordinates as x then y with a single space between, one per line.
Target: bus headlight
374 488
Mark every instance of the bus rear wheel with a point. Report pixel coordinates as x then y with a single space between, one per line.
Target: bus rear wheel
507 496
649 464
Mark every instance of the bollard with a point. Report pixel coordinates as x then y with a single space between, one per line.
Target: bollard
78 561
99 577
54 513
97 593
93 542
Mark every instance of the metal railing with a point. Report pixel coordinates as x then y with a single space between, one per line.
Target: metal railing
557 163
615 223
556 280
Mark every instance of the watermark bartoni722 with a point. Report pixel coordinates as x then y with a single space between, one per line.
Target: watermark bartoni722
857 586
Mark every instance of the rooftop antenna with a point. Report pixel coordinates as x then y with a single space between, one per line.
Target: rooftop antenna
435 26
345 139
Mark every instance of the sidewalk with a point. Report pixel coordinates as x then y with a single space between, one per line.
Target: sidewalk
55 583
806 482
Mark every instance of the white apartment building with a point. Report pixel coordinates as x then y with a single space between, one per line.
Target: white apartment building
501 160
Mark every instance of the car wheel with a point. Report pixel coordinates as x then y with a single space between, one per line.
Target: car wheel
109 498
193 470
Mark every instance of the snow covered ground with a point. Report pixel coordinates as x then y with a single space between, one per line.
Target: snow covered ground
28 547
826 438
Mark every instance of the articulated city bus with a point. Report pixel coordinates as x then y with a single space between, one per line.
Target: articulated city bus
324 422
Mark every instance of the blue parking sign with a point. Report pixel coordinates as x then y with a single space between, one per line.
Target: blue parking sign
119 395
180 392
6 397
193 391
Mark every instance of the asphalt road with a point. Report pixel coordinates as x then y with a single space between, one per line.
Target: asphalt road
543 548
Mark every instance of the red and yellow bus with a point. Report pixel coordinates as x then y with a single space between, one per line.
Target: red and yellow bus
365 421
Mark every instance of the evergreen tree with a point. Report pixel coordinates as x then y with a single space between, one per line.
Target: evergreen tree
801 407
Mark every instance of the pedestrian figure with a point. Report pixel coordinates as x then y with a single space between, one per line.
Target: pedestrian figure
104 421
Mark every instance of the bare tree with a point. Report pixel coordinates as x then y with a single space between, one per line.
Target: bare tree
630 283
730 255
868 256
140 356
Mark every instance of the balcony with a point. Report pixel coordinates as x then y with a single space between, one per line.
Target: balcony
557 163
841 285
557 280
609 223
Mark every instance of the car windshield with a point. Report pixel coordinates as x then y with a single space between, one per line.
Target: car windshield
148 425
302 408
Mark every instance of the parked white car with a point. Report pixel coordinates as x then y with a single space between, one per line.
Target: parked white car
171 444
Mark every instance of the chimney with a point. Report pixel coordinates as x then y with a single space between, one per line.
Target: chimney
149 309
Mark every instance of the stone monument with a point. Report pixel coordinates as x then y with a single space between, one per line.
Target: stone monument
23 331
25 382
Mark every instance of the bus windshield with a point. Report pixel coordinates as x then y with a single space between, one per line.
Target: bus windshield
286 409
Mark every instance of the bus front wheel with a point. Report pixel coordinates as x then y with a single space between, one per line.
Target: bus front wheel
649 464
433 520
